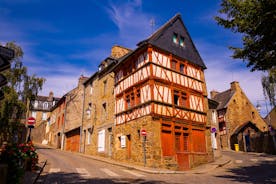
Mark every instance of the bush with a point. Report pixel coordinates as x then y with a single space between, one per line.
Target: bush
16 156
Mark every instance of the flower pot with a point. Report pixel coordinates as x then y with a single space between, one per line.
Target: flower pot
28 164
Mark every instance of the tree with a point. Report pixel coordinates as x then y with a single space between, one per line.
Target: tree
269 86
255 20
19 89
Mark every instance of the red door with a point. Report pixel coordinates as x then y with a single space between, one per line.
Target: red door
181 146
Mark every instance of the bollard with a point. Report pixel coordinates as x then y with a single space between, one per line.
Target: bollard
236 147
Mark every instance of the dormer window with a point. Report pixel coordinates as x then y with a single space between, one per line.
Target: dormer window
45 105
175 38
178 40
100 68
181 41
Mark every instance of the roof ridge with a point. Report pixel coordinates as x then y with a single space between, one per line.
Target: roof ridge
154 34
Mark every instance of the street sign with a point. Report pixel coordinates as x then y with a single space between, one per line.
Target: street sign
143 132
31 121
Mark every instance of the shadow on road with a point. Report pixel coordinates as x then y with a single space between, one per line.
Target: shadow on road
261 173
61 177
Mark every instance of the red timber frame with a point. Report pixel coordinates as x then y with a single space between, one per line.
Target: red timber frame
169 89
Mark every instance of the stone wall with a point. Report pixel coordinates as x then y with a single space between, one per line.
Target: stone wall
240 110
134 153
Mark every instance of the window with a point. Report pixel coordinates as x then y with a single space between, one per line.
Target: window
181 41
35 104
138 98
45 105
176 98
34 114
182 67
175 38
104 110
104 82
253 115
173 64
180 99
88 137
101 140
183 100
128 101
214 117
44 116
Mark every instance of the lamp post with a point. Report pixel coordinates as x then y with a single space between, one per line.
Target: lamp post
259 107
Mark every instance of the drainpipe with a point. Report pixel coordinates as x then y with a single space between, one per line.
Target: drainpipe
63 126
81 128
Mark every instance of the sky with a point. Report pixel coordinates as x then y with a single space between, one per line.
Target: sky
64 39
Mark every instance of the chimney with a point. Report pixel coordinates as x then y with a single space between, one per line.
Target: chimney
51 96
81 80
119 51
213 93
235 85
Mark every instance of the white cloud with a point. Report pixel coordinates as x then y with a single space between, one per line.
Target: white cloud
222 70
132 22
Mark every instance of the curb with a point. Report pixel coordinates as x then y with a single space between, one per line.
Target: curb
40 171
213 165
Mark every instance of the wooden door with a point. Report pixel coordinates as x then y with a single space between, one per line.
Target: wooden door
182 148
128 146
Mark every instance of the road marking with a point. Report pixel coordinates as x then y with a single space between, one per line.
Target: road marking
254 160
54 170
238 161
83 172
269 159
134 173
108 172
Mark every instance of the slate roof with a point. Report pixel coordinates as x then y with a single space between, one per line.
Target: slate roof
162 39
223 98
45 98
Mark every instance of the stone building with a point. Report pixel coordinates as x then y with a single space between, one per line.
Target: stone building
212 120
56 133
161 102
270 118
39 108
73 117
98 117
237 117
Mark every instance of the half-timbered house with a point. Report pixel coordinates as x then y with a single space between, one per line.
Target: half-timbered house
161 102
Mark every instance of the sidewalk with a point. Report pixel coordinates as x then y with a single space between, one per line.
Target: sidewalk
30 177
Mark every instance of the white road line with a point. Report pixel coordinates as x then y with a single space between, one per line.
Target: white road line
54 170
83 172
254 160
134 173
238 161
108 172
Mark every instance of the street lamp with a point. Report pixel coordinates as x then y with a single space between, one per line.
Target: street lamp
259 107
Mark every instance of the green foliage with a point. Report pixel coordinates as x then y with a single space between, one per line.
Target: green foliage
269 86
19 89
255 20
17 156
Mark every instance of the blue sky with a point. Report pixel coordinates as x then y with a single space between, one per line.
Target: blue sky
64 39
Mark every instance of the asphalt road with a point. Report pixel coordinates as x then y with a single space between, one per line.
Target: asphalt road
66 167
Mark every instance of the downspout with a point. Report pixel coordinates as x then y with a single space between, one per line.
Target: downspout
63 126
81 128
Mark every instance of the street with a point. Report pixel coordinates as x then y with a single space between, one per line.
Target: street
66 167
